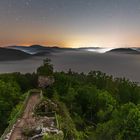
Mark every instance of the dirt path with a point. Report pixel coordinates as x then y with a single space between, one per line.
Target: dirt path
27 117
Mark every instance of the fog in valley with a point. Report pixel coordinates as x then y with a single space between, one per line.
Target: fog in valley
118 65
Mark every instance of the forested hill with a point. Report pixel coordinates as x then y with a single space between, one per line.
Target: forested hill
10 54
23 52
92 106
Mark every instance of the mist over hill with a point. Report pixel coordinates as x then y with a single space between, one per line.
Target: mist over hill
38 49
112 50
126 50
24 52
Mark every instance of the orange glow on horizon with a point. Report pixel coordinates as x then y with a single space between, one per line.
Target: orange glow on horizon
76 43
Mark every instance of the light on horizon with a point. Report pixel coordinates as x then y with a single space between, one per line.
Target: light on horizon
99 50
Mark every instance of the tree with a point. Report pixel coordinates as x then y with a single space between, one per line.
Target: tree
106 105
46 69
70 98
9 97
124 125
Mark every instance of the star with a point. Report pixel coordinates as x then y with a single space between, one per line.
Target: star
18 18
27 3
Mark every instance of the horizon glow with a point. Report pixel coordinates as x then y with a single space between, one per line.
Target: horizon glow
70 23
99 50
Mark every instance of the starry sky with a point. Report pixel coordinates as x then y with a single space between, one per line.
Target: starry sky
70 23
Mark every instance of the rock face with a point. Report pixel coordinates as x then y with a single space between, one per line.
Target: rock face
46 108
44 121
39 118
43 125
45 81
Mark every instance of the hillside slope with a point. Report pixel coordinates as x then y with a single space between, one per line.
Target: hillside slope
10 54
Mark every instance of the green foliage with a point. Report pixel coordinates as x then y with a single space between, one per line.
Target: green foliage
15 111
53 137
9 97
91 106
46 69
124 124
12 87
106 105
96 101
25 81
49 92
66 123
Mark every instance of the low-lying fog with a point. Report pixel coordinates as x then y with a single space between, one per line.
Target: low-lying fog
118 65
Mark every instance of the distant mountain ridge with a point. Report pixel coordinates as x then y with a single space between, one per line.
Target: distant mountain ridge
111 50
23 52
9 54
126 50
38 49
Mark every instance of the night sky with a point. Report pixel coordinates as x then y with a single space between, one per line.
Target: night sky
70 23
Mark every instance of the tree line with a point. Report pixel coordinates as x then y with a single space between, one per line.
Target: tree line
96 106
